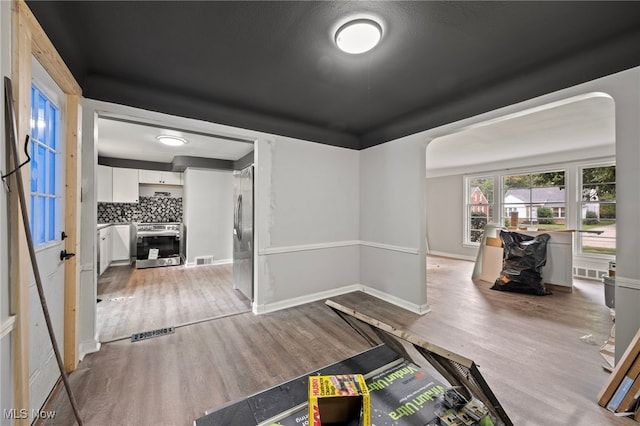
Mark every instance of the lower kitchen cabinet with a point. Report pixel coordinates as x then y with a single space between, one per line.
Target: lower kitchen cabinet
105 249
120 243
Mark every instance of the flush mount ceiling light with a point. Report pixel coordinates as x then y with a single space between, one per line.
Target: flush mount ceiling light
171 140
358 36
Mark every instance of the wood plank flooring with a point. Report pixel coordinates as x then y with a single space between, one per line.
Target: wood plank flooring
528 348
137 300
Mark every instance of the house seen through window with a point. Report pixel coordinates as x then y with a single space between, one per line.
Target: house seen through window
479 207
537 198
540 199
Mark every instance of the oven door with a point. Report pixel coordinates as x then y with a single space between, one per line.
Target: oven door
157 250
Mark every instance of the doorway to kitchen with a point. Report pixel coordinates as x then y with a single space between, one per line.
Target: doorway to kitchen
186 186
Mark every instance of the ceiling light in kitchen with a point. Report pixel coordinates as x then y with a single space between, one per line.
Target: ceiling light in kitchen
171 140
358 36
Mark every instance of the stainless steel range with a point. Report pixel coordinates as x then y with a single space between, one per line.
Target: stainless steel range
158 244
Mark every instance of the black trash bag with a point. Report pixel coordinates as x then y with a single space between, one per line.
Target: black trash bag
523 259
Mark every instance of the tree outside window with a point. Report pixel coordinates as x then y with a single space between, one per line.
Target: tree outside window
598 210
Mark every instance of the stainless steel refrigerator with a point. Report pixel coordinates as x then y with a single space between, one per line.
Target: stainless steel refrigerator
243 231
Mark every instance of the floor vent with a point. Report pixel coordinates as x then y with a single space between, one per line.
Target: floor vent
590 274
204 260
149 334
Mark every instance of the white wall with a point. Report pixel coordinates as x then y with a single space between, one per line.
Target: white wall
88 291
307 210
208 214
445 217
392 223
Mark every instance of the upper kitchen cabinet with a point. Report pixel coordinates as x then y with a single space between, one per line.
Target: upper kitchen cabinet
104 191
158 177
117 185
125 185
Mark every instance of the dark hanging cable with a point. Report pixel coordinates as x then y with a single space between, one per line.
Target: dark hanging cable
26 152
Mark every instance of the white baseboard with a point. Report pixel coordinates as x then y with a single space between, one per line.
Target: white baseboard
296 301
88 347
308 298
452 255
394 300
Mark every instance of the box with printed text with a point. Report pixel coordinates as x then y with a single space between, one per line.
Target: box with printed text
339 400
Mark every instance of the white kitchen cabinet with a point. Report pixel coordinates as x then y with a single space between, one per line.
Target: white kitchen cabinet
125 185
159 177
120 243
104 184
105 248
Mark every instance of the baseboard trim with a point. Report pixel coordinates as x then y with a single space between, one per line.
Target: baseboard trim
296 301
394 300
452 255
88 347
301 300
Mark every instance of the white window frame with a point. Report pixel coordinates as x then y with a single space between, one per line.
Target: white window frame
466 216
578 241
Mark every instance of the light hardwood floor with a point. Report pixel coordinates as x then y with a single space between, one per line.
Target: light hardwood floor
528 348
137 300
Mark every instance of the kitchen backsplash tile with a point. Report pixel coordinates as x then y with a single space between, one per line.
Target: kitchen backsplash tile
147 210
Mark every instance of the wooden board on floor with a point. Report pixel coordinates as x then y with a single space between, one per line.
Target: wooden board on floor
619 372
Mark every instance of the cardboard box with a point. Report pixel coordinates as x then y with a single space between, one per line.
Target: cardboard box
494 242
339 400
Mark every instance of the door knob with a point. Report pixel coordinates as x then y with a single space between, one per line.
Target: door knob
66 256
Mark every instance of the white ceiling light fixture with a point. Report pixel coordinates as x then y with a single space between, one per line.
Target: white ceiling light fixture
171 140
358 36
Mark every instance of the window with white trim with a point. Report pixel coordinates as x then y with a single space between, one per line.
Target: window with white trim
598 210
479 207
44 187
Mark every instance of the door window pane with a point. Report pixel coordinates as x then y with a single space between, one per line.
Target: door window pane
45 168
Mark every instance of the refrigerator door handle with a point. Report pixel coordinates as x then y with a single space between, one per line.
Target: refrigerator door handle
238 218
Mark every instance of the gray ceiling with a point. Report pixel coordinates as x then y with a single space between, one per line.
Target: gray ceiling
273 66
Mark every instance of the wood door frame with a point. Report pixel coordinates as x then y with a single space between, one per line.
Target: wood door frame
29 39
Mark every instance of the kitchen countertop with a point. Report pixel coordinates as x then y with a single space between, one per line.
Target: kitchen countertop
106 225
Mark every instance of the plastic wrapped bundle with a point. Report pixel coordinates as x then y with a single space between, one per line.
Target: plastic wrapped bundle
524 257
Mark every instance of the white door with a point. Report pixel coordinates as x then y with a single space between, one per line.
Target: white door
46 215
